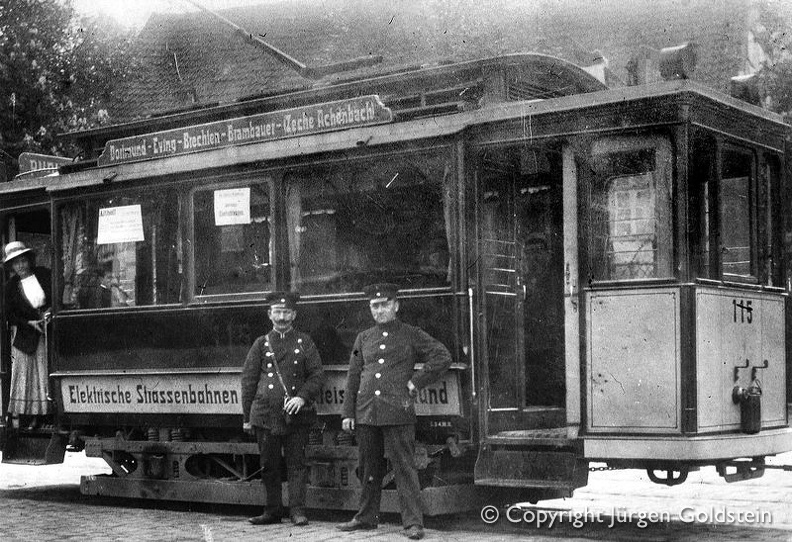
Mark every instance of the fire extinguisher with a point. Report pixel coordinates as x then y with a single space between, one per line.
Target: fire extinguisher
750 400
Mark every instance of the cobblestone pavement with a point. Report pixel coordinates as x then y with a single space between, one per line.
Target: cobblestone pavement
44 503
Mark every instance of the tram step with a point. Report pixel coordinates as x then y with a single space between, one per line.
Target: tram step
554 437
38 448
502 466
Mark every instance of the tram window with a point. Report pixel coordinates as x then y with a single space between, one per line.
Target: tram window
33 229
735 215
119 251
771 166
383 220
232 240
630 233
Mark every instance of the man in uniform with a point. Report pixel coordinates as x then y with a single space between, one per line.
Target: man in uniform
379 404
280 380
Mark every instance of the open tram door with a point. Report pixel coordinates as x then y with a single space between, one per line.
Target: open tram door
527 437
25 216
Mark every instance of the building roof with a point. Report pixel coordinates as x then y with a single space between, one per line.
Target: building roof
195 60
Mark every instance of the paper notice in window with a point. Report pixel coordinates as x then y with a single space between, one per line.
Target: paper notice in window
120 225
232 206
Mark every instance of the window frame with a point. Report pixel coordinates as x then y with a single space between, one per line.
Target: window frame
753 212
223 182
57 268
664 163
771 206
448 151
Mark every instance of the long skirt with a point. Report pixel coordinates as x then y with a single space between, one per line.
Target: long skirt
29 381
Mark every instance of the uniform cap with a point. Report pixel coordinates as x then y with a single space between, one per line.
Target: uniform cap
381 291
286 299
14 249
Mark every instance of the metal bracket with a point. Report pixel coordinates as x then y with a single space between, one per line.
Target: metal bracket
745 470
756 367
738 367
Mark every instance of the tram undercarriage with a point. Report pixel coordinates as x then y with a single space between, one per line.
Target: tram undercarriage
513 466
225 472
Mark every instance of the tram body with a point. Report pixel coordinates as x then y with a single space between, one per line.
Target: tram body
607 267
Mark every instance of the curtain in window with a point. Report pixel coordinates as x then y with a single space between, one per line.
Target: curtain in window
294 227
74 265
448 195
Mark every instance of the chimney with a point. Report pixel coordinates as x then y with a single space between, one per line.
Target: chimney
678 62
642 67
745 88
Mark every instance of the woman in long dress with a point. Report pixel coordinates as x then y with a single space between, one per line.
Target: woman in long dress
27 297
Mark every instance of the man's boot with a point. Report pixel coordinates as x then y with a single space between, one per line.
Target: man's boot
268 517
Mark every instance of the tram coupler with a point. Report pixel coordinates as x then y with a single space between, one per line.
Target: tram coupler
745 470
673 477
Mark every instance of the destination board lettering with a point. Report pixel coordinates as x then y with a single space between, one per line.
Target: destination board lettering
143 395
299 121
32 165
438 399
218 393
160 394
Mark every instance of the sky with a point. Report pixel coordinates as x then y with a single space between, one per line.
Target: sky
134 13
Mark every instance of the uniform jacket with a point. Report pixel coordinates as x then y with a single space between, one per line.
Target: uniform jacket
301 368
382 362
20 311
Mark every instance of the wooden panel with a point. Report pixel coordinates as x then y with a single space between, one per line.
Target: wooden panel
738 329
774 378
633 361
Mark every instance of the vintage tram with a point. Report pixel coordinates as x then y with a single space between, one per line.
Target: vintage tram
607 267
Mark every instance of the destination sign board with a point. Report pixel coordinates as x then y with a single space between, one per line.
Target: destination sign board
218 393
286 123
440 398
38 165
153 394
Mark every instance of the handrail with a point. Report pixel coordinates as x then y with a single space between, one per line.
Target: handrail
472 347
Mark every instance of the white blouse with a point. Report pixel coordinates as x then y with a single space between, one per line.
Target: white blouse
33 291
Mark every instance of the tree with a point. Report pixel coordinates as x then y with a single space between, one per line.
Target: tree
57 74
774 35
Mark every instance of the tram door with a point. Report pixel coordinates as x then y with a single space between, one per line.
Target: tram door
32 227
522 273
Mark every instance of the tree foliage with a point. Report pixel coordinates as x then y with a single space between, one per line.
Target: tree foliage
57 74
774 34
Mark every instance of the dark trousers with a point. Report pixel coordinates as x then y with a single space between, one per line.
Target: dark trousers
398 442
272 448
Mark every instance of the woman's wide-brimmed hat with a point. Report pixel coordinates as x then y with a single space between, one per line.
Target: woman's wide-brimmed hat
14 249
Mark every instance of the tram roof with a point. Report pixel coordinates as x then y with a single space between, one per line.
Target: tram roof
541 76
678 92
182 60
